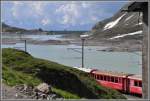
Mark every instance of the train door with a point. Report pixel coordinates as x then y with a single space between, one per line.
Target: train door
128 85
124 84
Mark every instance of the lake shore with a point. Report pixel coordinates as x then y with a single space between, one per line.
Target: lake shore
121 47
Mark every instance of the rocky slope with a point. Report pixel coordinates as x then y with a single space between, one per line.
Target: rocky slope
24 91
121 30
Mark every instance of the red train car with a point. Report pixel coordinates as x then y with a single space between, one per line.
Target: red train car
128 83
135 84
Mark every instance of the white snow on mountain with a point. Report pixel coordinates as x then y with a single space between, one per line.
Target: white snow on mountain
129 17
123 35
139 23
113 23
88 70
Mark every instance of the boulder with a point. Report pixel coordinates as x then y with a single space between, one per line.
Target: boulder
43 87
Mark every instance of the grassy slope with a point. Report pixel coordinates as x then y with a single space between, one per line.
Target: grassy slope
20 67
12 78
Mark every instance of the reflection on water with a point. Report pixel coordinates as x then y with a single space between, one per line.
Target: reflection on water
111 61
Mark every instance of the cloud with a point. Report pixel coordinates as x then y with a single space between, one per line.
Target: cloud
32 8
15 8
17 2
55 13
85 4
70 12
45 21
94 18
73 13
37 7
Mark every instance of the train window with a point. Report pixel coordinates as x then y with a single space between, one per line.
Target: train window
108 78
120 80
140 84
135 83
105 78
116 80
98 77
112 79
101 77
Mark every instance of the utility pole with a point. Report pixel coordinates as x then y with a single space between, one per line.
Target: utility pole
145 66
143 7
83 52
83 37
25 45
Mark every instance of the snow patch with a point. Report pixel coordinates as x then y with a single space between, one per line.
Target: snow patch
139 23
123 35
113 23
129 17
87 70
84 35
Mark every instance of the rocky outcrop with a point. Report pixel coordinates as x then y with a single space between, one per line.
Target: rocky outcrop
23 91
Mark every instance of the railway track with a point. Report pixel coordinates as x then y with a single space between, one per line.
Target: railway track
132 97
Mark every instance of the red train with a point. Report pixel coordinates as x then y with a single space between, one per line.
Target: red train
127 83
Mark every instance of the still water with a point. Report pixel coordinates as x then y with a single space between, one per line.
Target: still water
64 54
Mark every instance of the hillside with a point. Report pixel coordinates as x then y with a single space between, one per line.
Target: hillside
8 28
12 29
121 30
21 68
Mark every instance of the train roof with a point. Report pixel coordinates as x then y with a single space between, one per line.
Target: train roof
111 73
136 77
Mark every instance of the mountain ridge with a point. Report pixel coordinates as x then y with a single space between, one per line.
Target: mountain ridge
122 30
